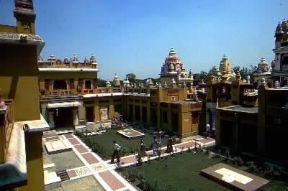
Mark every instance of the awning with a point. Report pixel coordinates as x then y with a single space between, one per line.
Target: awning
63 104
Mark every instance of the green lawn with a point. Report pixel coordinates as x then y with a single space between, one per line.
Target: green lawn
104 143
182 172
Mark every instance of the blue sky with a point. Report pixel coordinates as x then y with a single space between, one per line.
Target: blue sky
136 35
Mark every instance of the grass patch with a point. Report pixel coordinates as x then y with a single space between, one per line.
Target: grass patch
103 144
182 172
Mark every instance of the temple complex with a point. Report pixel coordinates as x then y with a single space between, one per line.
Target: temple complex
248 118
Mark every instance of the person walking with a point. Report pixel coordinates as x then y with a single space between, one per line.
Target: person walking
116 152
142 148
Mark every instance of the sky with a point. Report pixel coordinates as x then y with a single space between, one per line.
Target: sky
135 36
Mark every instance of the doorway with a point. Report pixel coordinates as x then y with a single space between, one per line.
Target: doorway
90 114
63 117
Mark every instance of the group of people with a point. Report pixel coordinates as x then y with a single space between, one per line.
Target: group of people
142 150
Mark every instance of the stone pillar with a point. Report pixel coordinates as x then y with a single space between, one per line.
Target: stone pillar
97 112
111 110
51 118
75 117
82 113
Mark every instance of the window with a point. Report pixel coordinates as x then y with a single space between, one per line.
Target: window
88 84
59 85
174 98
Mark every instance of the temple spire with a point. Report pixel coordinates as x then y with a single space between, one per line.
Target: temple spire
25 16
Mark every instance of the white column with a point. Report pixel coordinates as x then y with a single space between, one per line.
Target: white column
51 119
75 117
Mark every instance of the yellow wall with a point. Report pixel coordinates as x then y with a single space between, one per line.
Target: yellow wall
27 99
19 82
34 157
19 79
5 84
6 28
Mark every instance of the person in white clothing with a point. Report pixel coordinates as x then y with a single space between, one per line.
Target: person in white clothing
116 152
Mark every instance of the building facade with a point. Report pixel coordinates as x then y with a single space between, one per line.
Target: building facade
70 97
280 63
257 124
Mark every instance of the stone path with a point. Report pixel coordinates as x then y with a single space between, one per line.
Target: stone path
95 166
104 172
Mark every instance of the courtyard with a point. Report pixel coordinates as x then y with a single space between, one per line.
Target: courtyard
87 170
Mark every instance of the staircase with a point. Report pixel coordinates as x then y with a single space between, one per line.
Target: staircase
63 175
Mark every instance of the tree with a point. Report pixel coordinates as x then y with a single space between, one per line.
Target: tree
213 71
201 76
101 82
131 77
245 71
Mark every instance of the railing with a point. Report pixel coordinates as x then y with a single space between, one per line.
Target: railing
108 90
60 92
87 91
61 65
98 90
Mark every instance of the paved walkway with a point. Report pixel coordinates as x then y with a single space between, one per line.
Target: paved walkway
95 166
105 172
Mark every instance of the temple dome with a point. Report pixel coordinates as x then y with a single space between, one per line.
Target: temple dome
86 60
51 58
225 66
263 66
172 65
74 59
116 81
66 60
93 60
